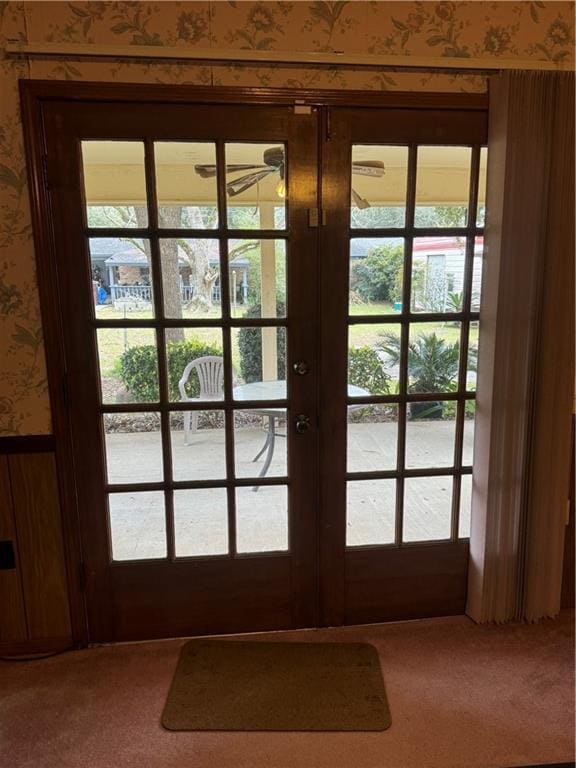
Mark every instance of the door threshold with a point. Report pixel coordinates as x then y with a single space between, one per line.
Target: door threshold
281 631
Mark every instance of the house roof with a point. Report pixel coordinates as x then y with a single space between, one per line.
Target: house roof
135 258
105 246
434 244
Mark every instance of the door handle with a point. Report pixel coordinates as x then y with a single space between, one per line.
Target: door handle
302 423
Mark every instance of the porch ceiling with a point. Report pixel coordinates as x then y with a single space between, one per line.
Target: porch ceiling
114 175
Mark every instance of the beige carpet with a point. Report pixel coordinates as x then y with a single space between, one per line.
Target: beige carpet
461 696
253 686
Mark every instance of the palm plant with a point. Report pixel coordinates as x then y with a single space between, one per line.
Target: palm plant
433 366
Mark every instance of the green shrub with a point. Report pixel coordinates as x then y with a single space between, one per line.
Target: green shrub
449 409
373 278
250 348
432 361
365 370
137 368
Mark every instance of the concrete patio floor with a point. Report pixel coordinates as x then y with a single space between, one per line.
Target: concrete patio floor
138 519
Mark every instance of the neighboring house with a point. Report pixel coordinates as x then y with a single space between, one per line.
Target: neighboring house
124 273
437 268
438 272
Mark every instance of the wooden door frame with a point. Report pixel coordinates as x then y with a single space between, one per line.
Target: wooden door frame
34 93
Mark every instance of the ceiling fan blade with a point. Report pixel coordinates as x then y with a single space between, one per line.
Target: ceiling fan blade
209 171
237 186
359 201
205 171
369 168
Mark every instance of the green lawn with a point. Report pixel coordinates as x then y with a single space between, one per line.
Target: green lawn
112 342
369 335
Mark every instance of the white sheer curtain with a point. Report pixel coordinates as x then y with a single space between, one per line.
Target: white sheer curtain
526 367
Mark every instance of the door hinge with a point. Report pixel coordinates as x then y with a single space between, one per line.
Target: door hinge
45 174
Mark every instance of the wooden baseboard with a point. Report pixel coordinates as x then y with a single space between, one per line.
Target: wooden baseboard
22 648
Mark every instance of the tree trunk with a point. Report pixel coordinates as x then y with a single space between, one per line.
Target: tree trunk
204 276
170 270
171 274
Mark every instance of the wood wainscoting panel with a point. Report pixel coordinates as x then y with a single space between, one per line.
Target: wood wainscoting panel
12 609
38 523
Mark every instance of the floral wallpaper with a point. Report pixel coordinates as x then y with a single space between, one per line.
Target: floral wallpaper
523 30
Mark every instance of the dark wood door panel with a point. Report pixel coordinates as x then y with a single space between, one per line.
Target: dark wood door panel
407 583
215 597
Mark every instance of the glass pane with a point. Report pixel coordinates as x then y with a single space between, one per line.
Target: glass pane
465 506
378 193
201 522
468 445
372 437
477 274
256 186
262 519
121 278
114 183
433 357
259 354
128 365
186 185
370 512
438 265
137 525
257 278
190 278
195 364
376 275
373 359
472 357
198 443
133 447
430 434
442 186
427 508
260 439
481 215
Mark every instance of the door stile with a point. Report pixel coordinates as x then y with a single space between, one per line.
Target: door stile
302 342
333 370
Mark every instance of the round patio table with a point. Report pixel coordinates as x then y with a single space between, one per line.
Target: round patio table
275 390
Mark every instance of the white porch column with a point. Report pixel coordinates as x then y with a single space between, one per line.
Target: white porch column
268 291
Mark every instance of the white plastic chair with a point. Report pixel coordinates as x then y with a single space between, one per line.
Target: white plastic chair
210 372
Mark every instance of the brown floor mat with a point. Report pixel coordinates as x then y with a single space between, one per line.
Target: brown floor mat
269 686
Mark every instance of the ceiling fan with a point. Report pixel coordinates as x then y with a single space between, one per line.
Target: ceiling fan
273 162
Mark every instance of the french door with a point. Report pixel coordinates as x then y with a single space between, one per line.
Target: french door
242 293
400 317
